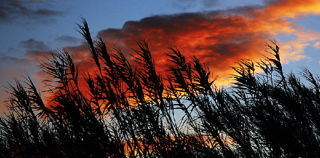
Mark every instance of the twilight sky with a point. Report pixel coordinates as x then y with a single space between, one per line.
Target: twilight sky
218 32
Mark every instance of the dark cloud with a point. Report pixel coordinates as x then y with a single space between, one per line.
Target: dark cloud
23 10
67 40
182 6
34 45
189 4
268 2
210 3
35 50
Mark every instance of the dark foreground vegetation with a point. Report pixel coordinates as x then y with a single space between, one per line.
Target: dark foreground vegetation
134 112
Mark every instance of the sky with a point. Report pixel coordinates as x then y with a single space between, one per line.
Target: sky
218 32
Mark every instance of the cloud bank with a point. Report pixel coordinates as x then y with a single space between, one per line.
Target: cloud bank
26 10
217 38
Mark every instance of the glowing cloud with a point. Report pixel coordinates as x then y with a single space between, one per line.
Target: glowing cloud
217 38
220 38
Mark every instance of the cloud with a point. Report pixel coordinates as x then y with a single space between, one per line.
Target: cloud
289 8
38 56
190 4
219 38
183 4
68 40
210 3
317 45
34 45
24 10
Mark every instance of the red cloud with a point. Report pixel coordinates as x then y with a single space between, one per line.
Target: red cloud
217 38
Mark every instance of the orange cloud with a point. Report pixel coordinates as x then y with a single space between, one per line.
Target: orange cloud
291 8
217 38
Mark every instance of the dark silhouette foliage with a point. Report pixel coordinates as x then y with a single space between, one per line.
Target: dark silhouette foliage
132 111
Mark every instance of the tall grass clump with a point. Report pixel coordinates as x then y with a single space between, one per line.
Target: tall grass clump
132 111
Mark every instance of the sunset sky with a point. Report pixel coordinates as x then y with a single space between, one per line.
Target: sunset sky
218 32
